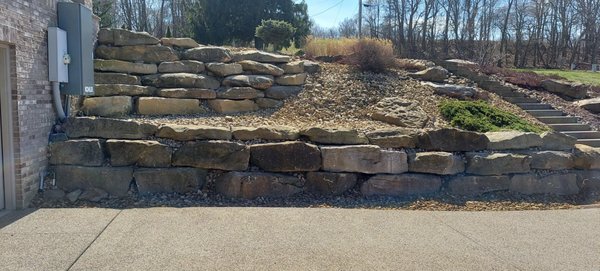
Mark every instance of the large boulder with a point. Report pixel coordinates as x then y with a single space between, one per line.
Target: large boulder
224 106
453 91
286 157
116 78
223 155
292 79
124 66
282 92
208 54
557 184
124 90
433 74
393 138
586 157
224 69
261 68
251 185
193 132
311 67
294 67
497 163
334 136
142 153
477 185
558 141
187 93
239 93
108 128
260 56
187 80
114 180
588 181
551 160
441 163
401 112
401 185
364 159
461 67
115 106
592 105
265 133
83 152
255 81
565 88
154 106
183 66
329 183
122 37
169 180
184 43
138 53
513 140
452 140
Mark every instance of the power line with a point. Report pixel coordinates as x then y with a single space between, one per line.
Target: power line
329 8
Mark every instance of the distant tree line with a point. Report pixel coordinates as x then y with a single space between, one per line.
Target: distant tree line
215 22
545 33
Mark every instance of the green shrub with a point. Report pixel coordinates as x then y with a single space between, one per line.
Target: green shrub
480 116
277 33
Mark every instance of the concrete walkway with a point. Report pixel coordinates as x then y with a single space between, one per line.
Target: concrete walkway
298 239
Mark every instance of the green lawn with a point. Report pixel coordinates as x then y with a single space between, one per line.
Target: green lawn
584 77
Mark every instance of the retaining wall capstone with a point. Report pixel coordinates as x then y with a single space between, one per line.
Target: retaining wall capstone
140 74
115 155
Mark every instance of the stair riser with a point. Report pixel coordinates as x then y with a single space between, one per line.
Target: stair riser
574 127
535 106
558 120
588 135
545 113
520 100
591 143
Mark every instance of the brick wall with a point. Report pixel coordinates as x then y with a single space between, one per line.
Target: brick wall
24 27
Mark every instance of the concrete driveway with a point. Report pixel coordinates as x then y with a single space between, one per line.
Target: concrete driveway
298 239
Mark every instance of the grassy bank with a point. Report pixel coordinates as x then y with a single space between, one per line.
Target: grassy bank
584 77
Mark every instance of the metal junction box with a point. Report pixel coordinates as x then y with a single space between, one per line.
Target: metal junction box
77 21
58 69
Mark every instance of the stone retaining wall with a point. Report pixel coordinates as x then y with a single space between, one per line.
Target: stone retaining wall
140 74
118 155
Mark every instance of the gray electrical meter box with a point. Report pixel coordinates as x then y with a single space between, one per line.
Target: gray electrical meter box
77 21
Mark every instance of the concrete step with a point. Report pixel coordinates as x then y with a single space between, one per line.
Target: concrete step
517 100
583 134
570 127
558 120
534 106
590 142
545 113
510 94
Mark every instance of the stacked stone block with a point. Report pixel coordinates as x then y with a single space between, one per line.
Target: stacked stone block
140 74
288 161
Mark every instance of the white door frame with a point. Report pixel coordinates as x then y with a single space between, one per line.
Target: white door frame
6 128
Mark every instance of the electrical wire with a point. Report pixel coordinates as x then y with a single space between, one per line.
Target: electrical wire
329 8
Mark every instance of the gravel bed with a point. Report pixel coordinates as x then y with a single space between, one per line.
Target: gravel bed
499 201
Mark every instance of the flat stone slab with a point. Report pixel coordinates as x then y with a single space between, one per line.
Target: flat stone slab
261 68
552 160
143 153
328 183
116 78
557 184
224 69
193 132
208 54
85 152
138 53
114 106
441 163
123 90
393 138
187 93
400 112
183 66
558 141
477 185
282 92
364 159
497 163
402 185
334 136
124 67
185 43
169 180
513 140
592 105
122 37
294 67
239 93
291 79
114 180
290 156
452 140
586 157
266 133
225 106
223 155
251 185
155 106
108 128
182 80
260 56
255 81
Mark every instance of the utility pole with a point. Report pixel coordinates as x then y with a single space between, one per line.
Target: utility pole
360 6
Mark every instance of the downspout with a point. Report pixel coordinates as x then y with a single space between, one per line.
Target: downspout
57 101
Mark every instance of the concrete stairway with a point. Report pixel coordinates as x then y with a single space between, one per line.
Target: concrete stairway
556 119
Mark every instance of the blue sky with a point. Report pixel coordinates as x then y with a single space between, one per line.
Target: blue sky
328 13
